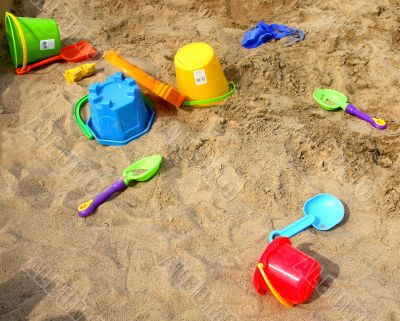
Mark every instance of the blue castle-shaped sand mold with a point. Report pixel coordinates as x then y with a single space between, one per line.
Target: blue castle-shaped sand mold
118 113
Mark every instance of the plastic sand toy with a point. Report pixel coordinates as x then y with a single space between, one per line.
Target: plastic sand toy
31 39
118 111
263 33
164 91
289 274
78 73
323 212
200 77
330 99
73 53
141 171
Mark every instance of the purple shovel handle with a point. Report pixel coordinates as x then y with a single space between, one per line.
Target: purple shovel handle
352 110
89 207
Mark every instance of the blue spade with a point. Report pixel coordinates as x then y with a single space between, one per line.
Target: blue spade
323 212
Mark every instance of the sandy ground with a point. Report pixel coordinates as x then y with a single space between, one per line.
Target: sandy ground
184 245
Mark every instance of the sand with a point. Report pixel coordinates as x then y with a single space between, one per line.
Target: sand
184 245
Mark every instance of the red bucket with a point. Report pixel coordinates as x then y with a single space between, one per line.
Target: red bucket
293 274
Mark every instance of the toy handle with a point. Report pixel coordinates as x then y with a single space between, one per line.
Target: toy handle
131 70
165 91
232 90
38 64
294 228
375 122
21 37
77 113
87 208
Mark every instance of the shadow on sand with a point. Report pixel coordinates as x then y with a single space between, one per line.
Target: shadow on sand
20 295
329 271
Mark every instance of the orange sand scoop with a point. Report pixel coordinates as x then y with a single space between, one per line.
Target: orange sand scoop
166 92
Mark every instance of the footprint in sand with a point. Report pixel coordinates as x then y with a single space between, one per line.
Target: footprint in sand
34 191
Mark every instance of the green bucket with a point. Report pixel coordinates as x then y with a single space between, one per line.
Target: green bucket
41 37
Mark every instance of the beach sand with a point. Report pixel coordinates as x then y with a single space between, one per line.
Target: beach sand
184 245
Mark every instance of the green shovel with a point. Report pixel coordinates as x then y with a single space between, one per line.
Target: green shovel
330 99
141 171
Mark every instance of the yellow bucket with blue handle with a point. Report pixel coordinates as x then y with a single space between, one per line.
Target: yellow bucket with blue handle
200 77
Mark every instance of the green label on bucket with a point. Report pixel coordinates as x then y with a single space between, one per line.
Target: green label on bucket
47 44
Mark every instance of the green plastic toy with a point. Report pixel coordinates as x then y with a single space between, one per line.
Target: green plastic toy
77 114
31 39
141 171
330 99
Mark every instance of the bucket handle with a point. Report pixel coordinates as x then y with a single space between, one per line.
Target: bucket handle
83 126
276 294
233 87
22 38
77 113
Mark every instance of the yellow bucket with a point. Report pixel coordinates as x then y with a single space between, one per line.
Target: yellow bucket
200 77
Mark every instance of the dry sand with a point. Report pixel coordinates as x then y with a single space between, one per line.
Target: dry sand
184 245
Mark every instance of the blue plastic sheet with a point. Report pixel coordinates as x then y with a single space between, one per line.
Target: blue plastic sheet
264 33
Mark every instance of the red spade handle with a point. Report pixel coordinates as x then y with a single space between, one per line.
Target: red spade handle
38 64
